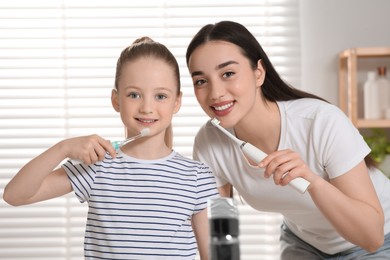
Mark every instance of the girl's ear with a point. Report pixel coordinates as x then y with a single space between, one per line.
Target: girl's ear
115 100
178 103
260 73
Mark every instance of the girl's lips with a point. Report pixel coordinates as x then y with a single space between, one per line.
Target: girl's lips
146 120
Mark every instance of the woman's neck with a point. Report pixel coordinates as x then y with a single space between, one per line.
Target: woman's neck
261 127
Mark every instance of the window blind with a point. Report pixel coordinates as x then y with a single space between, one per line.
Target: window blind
57 67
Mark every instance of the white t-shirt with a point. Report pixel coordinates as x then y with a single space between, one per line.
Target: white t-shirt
329 144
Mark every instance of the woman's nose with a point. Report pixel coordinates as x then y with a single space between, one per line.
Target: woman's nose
216 90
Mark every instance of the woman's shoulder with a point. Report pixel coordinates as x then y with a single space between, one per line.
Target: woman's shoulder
309 108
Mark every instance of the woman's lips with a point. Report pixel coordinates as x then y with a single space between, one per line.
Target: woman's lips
222 109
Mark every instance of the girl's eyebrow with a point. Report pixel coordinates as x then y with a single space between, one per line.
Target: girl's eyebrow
164 89
135 88
218 67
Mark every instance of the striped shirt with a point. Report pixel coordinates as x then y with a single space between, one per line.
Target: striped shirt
141 209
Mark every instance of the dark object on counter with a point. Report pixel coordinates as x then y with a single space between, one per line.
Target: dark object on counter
224 229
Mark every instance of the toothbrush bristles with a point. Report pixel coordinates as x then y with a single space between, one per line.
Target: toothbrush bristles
215 121
145 132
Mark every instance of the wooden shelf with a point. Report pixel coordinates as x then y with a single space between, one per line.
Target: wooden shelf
348 90
369 123
366 52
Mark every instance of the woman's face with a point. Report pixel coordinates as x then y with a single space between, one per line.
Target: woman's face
225 84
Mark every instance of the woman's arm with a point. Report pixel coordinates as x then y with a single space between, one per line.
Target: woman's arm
38 180
200 226
349 201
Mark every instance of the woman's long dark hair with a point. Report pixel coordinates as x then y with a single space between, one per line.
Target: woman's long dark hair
274 88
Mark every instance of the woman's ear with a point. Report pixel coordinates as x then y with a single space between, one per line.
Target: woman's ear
260 73
115 100
178 103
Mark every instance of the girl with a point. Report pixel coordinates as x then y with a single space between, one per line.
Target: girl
345 213
145 200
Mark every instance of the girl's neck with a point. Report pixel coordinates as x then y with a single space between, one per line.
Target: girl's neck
147 149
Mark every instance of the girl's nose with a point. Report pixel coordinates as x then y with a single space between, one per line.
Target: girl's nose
146 106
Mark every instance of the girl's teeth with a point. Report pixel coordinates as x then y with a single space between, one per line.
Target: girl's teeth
223 107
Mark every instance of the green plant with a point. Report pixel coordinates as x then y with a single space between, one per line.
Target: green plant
379 144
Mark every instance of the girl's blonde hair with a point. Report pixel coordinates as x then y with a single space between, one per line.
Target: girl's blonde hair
146 47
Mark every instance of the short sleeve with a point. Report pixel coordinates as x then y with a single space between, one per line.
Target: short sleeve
206 187
341 146
82 178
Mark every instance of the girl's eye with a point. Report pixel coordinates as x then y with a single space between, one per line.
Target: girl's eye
161 97
228 74
134 95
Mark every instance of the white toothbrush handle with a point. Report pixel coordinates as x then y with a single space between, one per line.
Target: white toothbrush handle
255 154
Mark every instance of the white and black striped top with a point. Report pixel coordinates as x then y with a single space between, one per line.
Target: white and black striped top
141 209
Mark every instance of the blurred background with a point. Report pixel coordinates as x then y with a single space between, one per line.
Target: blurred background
57 66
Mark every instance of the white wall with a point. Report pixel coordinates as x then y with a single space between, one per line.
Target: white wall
330 26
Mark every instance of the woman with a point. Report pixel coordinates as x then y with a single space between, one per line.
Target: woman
346 209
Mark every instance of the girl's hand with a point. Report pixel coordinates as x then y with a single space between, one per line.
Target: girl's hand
87 149
284 166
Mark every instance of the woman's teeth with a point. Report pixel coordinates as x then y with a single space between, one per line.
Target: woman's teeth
219 108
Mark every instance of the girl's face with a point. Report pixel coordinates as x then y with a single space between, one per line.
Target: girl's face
147 95
225 84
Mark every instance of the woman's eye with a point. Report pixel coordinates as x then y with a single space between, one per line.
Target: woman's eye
228 74
134 95
199 82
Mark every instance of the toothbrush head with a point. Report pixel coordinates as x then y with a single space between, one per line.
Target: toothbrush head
145 132
215 121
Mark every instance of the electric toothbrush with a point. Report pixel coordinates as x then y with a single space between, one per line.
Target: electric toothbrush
119 144
257 155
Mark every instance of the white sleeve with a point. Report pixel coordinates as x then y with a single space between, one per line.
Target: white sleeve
341 146
204 151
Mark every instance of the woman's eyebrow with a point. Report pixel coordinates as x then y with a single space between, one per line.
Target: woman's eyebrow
218 67
222 65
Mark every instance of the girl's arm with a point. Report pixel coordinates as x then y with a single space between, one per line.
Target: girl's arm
349 201
38 181
200 226
226 190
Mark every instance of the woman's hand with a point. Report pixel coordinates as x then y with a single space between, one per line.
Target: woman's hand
88 149
284 166
347 201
